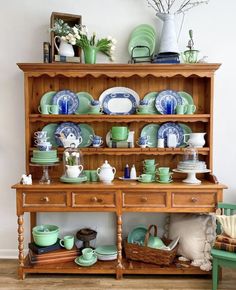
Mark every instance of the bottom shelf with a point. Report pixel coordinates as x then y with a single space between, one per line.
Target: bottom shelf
110 267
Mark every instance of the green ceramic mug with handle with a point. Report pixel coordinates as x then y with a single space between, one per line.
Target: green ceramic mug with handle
190 109
67 242
119 133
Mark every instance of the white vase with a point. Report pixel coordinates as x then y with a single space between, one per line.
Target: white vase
64 49
168 40
73 171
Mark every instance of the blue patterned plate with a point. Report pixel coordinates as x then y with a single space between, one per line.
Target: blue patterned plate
66 129
166 96
73 101
119 104
171 128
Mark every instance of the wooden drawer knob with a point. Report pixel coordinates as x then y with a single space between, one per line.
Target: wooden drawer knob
45 199
94 199
194 199
144 199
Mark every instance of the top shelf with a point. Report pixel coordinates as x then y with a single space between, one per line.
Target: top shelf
118 70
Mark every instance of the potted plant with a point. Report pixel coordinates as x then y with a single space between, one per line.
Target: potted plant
73 168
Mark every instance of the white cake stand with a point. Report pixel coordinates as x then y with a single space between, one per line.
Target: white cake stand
191 178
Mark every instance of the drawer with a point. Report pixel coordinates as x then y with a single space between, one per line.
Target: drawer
46 199
88 199
144 199
194 199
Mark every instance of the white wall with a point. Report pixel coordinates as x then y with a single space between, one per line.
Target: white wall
24 27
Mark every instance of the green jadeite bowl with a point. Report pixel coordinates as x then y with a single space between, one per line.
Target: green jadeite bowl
45 240
45 229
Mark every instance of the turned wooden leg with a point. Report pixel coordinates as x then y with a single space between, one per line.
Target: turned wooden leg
119 248
20 222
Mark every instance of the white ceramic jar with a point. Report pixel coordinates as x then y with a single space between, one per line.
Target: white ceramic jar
106 172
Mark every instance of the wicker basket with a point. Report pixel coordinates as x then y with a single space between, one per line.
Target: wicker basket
150 255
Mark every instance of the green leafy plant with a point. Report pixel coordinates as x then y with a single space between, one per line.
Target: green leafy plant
71 159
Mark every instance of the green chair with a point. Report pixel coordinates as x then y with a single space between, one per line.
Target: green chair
222 258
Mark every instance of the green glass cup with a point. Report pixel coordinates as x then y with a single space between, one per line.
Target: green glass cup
93 175
146 177
163 170
67 242
87 173
44 109
149 162
54 109
119 133
181 109
165 177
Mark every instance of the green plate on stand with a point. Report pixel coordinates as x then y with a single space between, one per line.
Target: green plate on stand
187 98
47 98
151 97
151 130
50 129
86 133
84 102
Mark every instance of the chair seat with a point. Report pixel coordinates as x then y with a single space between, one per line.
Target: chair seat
220 254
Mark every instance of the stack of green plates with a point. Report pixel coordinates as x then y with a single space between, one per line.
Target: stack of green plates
44 157
143 35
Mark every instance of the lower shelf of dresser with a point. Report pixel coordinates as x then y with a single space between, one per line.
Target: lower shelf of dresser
110 267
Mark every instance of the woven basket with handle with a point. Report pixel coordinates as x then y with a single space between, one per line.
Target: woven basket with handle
150 255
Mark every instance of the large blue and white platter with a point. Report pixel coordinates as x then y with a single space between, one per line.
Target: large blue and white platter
166 96
171 128
72 99
67 128
119 101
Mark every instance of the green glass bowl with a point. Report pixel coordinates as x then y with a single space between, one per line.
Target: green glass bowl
45 240
45 229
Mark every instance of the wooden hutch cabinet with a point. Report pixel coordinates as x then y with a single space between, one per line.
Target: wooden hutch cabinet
120 196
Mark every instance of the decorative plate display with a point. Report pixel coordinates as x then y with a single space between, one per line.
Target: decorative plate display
86 133
70 97
171 128
47 98
50 129
120 90
137 235
187 99
84 102
166 96
150 131
151 97
85 263
147 43
67 128
119 104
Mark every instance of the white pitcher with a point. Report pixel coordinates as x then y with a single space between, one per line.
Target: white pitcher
64 49
172 140
195 139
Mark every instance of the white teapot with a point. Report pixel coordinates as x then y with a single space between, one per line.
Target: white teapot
106 173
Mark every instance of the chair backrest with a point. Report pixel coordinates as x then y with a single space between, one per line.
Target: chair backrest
227 208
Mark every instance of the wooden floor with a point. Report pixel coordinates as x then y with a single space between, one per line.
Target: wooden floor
9 281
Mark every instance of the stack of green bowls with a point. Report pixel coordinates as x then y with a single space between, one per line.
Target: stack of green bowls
142 35
45 235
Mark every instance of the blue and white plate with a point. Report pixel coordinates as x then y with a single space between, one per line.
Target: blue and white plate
171 128
73 101
119 104
166 96
67 128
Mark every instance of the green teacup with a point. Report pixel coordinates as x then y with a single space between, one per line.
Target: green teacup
93 175
163 170
119 133
145 177
142 109
54 109
190 109
181 109
44 109
67 242
88 253
165 177
87 173
95 110
148 162
151 168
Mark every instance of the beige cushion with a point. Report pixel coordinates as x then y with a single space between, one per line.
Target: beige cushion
228 224
197 234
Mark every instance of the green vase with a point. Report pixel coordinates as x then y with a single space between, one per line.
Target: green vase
90 54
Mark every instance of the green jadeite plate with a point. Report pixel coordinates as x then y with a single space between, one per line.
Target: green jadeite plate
141 40
186 98
50 129
85 263
150 130
73 180
46 161
47 98
151 97
86 133
106 250
137 235
144 28
164 182
84 101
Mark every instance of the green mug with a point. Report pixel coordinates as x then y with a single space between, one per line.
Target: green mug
44 109
190 109
88 253
163 170
67 242
87 174
93 175
119 133
54 109
181 109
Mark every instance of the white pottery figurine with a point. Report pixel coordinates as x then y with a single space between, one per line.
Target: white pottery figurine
26 179
106 173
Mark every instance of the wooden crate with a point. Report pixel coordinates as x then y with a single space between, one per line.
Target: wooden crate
71 19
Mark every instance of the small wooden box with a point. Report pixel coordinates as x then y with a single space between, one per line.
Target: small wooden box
71 19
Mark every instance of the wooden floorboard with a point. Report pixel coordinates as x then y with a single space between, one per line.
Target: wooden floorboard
9 281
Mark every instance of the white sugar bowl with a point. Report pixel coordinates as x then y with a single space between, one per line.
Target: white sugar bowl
106 172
